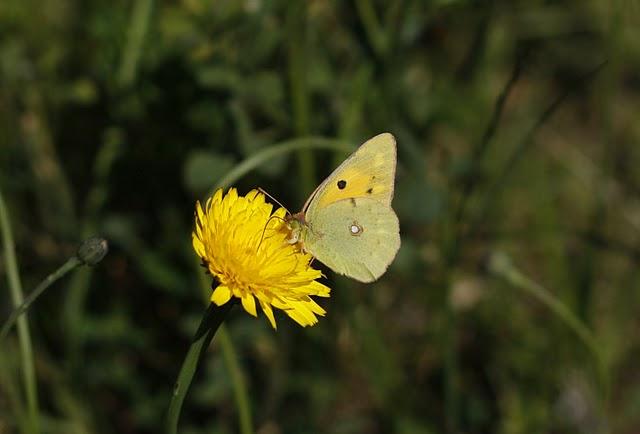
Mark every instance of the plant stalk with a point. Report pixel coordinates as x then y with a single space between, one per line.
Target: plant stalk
24 337
211 321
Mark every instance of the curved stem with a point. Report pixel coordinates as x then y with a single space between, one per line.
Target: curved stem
24 338
274 151
211 321
72 263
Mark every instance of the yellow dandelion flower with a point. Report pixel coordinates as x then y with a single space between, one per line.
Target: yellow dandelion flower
248 253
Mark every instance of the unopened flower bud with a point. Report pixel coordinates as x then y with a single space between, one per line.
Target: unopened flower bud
92 250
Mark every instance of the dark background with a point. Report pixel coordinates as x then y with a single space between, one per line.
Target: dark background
517 128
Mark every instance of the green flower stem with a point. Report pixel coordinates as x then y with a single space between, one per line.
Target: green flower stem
71 264
237 379
211 321
501 266
231 362
24 338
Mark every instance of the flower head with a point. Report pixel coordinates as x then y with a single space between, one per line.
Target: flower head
244 246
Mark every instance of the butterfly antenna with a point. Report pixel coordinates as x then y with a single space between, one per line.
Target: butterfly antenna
264 230
273 199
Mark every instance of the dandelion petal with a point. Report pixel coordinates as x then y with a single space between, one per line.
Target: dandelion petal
221 295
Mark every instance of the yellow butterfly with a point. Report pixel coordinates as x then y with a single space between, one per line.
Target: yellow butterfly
348 223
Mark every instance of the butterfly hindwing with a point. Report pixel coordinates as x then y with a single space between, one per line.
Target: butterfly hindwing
358 237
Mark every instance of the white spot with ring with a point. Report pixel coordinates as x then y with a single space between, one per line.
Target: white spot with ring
355 229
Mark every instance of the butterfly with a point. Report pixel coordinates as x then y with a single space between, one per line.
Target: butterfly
348 223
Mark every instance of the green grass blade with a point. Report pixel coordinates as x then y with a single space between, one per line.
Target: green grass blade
237 381
140 17
500 265
24 337
298 59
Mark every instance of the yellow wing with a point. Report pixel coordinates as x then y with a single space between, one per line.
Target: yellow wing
368 172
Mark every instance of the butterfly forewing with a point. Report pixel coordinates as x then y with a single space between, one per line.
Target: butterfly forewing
368 172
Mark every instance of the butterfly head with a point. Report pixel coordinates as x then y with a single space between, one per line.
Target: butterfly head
295 224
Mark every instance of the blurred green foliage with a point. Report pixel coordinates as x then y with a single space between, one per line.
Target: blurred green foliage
517 131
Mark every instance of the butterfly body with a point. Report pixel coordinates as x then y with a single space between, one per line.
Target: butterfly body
348 223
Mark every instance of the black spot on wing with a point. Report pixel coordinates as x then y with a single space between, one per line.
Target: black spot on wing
369 191
342 184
